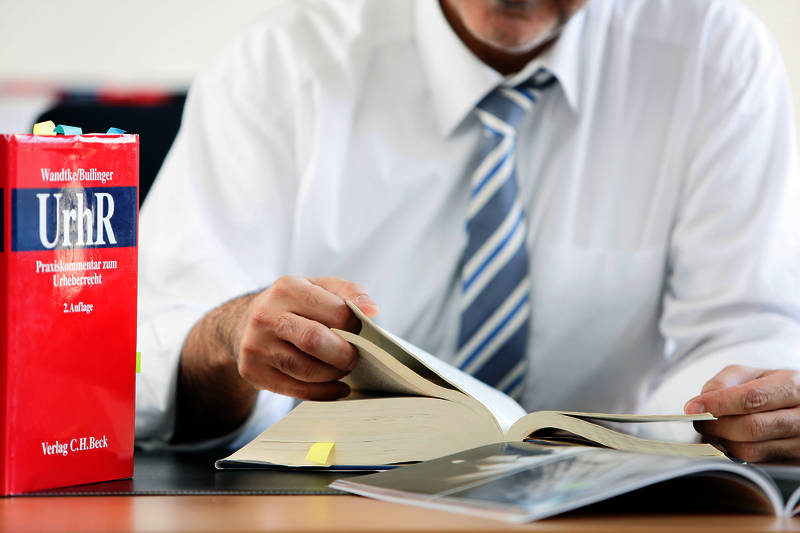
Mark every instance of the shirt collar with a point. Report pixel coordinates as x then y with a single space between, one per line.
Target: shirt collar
459 80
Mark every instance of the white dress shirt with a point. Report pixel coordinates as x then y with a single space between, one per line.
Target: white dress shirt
658 178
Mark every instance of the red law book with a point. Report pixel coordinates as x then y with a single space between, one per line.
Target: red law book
68 235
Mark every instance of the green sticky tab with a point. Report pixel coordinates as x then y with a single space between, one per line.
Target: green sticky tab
116 131
67 130
320 452
138 362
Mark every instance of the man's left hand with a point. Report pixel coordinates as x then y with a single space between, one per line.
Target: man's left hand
758 413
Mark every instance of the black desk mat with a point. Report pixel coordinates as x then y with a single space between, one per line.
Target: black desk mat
170 473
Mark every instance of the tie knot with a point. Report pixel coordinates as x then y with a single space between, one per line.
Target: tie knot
503 108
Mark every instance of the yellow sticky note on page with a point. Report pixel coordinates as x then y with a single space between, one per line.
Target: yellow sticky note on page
44 128
320 452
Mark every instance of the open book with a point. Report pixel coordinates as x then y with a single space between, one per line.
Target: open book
524 481
407 405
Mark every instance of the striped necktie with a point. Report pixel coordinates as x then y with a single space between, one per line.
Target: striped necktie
495 282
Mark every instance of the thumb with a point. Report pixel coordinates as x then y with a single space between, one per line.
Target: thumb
348 291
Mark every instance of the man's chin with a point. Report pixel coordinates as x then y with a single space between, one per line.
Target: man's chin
518 4
522 47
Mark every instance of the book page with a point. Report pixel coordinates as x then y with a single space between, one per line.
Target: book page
530 423
378 372
504 409
389 343
786 476
608 417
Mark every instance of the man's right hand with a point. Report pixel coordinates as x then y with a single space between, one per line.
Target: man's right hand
286 345
278 339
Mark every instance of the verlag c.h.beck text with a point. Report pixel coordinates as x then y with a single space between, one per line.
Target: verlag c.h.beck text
77 444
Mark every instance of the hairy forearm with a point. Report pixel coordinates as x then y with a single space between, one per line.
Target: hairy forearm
212 398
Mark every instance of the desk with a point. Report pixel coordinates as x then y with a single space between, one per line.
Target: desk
326 514
182 492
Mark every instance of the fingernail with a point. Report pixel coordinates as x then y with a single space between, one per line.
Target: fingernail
694 408
344 391
364 299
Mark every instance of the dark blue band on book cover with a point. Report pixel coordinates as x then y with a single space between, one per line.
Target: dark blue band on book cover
73 217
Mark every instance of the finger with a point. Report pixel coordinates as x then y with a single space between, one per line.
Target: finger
775 390
732 375
287 359
265 365
349 291
302 366
771 450
304 298
780 424
266 333
276 381
315 340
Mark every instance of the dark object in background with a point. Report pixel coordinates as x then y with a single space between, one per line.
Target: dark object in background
154 115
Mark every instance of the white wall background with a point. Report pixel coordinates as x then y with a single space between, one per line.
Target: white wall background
163 43
782 17
142 42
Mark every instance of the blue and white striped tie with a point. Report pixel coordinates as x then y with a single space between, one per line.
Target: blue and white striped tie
495 284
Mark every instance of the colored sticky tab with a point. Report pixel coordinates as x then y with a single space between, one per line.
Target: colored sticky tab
320 452
63 129
44 128
138 362
115 130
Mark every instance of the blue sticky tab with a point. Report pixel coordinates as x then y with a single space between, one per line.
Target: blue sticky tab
68 130
115 130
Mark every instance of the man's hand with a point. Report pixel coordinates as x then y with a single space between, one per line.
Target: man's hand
286 344
758 412
278 339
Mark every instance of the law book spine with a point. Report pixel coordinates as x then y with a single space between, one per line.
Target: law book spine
6 164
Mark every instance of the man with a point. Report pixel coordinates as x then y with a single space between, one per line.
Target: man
336 143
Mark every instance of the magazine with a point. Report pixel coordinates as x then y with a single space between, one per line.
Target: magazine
525 481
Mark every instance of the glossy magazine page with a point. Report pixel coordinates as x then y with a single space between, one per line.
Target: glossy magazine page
520 482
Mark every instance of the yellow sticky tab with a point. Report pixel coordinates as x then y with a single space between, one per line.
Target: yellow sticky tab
44 128
320 452
138 362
